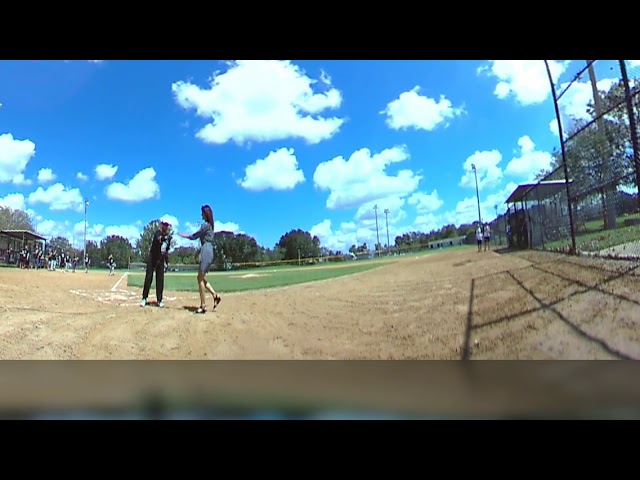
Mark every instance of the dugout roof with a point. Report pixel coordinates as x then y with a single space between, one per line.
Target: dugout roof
544 190
22 234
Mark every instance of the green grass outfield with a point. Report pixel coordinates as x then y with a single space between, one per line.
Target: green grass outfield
271 277
243 280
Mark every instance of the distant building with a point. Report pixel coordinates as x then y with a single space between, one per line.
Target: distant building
447 242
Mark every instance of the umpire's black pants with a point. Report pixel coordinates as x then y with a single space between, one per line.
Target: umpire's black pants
157 264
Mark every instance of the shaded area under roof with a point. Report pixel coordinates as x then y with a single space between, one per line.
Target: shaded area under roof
22 234
544 190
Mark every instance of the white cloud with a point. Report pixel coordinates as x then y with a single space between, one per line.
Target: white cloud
50 229
262 100
171 219
412 110
58 197
96 61
348 234
339 240
227 227
20 180
14 201
82 177
488 171
366 214
466 210
634 63
105 172
363 229
426 223
525 80
574 102
14 157
362 178
97 232
426 202
141 187
530 161
46 175
488 204
278 171
0 104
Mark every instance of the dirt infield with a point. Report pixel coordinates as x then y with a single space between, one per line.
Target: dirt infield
451 305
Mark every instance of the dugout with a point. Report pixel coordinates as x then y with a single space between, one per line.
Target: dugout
16 240
537 213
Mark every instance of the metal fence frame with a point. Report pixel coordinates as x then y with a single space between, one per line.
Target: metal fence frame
554 209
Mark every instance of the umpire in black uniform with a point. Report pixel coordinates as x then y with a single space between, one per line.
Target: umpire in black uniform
156 262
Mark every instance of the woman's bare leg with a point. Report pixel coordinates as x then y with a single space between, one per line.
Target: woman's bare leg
201 281
216 297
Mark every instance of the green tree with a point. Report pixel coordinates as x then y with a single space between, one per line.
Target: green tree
183 256
143 244
14 219
231 248
119 247
60 245
92 251
299 243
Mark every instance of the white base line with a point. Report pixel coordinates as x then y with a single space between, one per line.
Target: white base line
115 287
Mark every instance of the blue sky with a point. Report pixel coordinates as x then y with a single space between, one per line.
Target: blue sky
276 145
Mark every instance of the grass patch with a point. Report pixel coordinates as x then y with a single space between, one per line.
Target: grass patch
592 237
254 279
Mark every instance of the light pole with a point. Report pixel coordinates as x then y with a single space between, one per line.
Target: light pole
84 249
375 207
386 214
473 167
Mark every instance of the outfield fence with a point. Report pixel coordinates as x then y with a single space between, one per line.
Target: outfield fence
434 245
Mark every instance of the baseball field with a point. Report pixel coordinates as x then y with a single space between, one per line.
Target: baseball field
451 304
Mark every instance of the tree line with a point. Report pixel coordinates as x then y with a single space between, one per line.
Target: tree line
232 249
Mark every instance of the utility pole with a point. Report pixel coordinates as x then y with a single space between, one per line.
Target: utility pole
84 250
473 167
608 192
377 233
386 214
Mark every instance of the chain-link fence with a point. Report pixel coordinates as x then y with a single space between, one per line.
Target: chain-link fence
588 203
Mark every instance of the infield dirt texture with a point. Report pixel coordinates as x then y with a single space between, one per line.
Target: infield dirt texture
451 305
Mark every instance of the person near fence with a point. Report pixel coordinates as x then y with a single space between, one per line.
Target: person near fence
479 237
206 237
487 237
155 264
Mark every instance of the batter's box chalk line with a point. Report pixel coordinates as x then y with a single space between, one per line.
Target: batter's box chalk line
113 297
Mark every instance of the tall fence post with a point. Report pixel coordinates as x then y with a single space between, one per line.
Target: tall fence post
564 157
632 125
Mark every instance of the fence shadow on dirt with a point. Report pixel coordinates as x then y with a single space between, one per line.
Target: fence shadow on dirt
583 288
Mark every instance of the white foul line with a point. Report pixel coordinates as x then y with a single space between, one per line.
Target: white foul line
115 287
